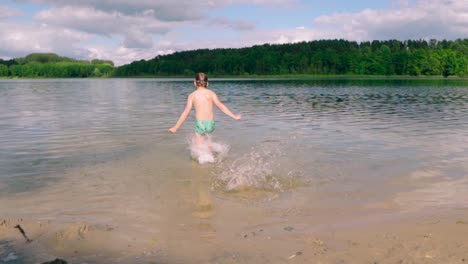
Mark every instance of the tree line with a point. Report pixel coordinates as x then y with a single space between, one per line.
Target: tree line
321 57
50 65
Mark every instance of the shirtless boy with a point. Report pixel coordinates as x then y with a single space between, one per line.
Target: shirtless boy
202 99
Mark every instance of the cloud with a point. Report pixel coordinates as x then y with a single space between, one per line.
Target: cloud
137 30
232 24
121 55
19 39
8 12
425 19
289 35
130 27
165 10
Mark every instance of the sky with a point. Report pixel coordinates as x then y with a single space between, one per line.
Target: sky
127 30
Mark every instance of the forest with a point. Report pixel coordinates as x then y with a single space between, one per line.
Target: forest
321 57
50 65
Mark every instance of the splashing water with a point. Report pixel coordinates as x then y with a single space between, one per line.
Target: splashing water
207 151
253 170
261 169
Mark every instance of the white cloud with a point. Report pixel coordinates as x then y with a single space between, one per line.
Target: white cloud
137 30
20 39
281 36
166 10
135 23
7 12
232 24
121 55
426 19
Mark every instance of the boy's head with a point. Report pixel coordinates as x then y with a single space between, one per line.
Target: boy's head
201 79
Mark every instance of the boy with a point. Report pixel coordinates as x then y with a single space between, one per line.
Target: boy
202 99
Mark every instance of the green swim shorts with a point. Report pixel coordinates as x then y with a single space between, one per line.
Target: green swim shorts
203 126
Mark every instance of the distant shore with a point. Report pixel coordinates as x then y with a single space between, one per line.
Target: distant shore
308 76
283 76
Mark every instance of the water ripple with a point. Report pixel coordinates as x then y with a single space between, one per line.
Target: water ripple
44 123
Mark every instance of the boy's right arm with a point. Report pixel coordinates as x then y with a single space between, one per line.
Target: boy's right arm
224 108
183 116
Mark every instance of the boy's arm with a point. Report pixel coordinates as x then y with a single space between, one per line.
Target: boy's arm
223 108
183 116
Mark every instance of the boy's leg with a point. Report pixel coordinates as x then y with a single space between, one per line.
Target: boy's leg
205 154
199 139
203 140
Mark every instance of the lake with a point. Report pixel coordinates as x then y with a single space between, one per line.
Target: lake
91 161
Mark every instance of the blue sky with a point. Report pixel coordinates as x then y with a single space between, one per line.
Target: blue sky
124 31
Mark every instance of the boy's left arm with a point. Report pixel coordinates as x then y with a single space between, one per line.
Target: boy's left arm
183 116
224 108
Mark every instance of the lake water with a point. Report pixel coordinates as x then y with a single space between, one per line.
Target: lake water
95 155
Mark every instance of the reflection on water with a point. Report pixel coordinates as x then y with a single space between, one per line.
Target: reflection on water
49 125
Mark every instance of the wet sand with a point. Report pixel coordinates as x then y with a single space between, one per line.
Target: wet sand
439 237
121 212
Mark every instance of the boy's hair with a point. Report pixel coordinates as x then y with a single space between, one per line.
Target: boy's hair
201 79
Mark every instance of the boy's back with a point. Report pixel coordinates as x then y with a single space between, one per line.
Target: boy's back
202 100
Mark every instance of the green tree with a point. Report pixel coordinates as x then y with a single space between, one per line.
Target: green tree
449 63
411 57
3 70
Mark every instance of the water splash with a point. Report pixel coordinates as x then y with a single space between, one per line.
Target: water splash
260 169
207 151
